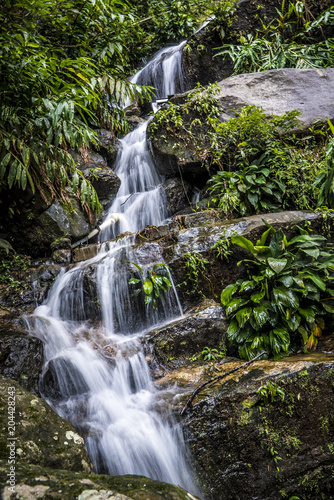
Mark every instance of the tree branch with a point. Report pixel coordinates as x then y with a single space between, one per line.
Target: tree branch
213 380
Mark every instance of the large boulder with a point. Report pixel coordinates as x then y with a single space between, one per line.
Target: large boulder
178 194
184 148
21 356
96 170
176 342
309 91
42 437
269 445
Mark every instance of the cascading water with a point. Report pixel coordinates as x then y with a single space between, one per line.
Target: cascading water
96 374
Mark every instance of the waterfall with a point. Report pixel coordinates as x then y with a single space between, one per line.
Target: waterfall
163 72
96 374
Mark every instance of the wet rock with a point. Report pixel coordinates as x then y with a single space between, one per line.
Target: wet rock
35 482
42 437
203 327
134 121
108 146
96 170
60 220
21 356
279 447
178 194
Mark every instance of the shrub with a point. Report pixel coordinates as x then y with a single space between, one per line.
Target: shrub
283 304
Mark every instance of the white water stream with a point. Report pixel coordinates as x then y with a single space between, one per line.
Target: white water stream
96 374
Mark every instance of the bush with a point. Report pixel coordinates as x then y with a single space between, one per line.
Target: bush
283 305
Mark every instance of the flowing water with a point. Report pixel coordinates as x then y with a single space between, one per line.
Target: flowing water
96 374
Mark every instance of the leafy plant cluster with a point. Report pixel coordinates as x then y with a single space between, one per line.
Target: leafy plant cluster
289 41
153 282
209 354
62 73
11 265
195 266
283 305
262 167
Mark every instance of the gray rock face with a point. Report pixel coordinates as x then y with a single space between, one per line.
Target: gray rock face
309 91
59 220
203 327
21 356
247 448
178 195
43 438
108 146
96 169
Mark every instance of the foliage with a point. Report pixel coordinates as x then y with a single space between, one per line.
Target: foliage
262 167
195 266
222 247
287 42
6 246
270 392
163 21
153 282
325 179
248 190
61 66
11 266
209 355
283 304
259 54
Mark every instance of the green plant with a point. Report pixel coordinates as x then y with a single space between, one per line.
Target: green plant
61 65
6 245
285 43
195 266
209 354
270 392
154 283
222 247
282 305
249 190
11 268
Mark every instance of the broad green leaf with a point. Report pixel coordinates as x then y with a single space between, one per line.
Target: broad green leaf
279 339
276 243
258 296
307 313
148 287
243 315
133 281
328 307
286 297
261 242
313 253
12 174
227 294
243 243
303 333
261 315
277 264
234 305
253 199
316 279
232 329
